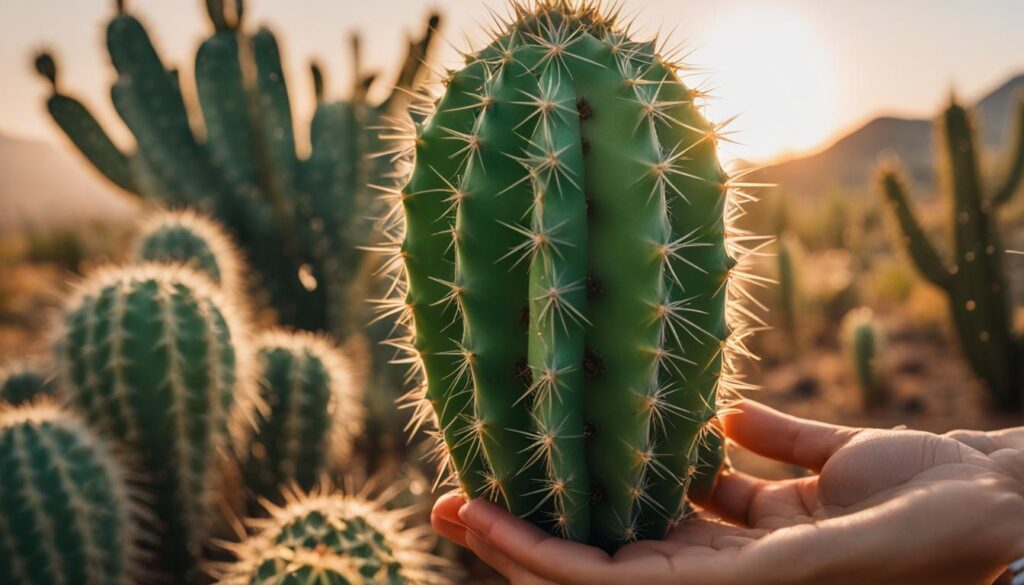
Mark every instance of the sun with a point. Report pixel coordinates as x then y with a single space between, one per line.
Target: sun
771 68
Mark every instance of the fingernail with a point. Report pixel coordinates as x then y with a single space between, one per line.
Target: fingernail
477 515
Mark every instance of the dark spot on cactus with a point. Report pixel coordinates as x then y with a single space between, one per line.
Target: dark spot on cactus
593 364
583 107
594 288
523 372
524 315
588 430
585 144
596 495
590 209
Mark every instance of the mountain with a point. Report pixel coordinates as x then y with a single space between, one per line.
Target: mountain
850 162
46 186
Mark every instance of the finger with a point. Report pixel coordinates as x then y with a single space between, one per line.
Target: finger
516 574
453 532
782 437
447 507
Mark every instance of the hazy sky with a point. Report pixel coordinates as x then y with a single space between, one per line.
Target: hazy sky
797 72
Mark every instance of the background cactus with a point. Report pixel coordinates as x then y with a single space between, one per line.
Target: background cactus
788 288
151 355
298 220
24 381
563 263
185 237
864 342
67 513
972 274
312 418
333 539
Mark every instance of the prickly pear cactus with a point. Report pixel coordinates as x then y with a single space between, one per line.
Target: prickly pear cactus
67 514
24 381
333 539
151 356
864 341
565 267
312 416
185 237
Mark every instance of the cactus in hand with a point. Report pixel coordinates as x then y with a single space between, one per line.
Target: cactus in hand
298 220
865 341
24 381
67 513
332 539
150 355
185 237
312 415
971 273
563 264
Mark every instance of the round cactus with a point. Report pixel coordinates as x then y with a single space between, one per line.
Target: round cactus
333 539
67 515
24 381
185 237
313 413
150 355
565 267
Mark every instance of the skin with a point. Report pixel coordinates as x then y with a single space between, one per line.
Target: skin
881 506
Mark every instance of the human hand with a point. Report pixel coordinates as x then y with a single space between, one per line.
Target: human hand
884 507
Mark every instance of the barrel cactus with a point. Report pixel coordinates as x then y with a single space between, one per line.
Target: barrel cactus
67 513
151 356
312 416
864 341
333 539
565 264
185 237
24 381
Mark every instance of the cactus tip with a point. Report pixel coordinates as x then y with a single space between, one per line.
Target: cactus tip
318 80
47 67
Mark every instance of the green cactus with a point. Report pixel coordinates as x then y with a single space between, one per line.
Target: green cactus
971 274
299 220
864 340
562 263
151 356
24 381
333 539
787 246
67 513
185 237
711 459
312 415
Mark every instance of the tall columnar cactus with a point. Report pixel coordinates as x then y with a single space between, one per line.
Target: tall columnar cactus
565 270
67 513
151 356
185 237
333 539
313 413
865 342
298 219
971 273
24 381
788 288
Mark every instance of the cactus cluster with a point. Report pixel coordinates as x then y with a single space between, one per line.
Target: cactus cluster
332 539
67 512
864 341
311 417
568 272
23 381
298 219
152 356
971 272
185 237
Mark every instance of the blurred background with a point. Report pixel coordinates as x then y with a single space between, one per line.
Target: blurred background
820 98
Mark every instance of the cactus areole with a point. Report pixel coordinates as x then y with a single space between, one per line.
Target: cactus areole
566 274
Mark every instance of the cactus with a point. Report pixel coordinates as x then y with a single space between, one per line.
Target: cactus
788 288
67 513
24 381
185 237
299 220
562 262
865 341
971 274
313 413
151 356
334 539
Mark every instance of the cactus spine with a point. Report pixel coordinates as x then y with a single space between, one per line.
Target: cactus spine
972 275
313 413
299 220
865 341
150 355
67 514
564 268
185 237
333 539
24 381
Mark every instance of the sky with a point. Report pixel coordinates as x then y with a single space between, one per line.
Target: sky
797 73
